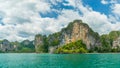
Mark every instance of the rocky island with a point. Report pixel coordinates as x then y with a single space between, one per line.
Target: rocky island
77 37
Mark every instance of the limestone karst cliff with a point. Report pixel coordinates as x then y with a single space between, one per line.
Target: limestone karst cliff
76 30
77 37
111 42
6 46
40 44
24 46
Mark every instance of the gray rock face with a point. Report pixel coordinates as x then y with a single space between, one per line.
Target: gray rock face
39 43
5 46
116 43
76 30
80 31
52 49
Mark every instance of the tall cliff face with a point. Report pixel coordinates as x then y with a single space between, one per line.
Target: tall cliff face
41 44
23 47
111 41
6 46
76 30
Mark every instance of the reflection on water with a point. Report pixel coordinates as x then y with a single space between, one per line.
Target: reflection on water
32 60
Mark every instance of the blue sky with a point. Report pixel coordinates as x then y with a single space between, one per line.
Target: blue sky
96 5
23 19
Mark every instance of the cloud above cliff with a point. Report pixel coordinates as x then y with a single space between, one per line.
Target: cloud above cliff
23 19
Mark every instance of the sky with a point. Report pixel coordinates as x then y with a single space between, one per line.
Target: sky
23 19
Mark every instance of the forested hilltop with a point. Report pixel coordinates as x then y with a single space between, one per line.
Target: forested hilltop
18 47
77 37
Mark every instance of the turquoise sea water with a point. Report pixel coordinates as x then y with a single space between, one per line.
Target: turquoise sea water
32 60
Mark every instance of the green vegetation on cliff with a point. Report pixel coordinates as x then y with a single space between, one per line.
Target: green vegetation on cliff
74 29
25 46
73 47
54 39
20 47
74 34
114 34
41 43
107 41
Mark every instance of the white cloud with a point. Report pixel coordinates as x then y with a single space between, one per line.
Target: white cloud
21 10
21 15
98 22
109 1
116 9
55 1
114 17
23 21
104 2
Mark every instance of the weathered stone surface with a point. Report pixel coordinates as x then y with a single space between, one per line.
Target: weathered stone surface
39 43
116 43
80 31
6 46
76 30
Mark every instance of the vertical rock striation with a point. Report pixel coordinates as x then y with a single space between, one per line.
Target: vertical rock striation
76 30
